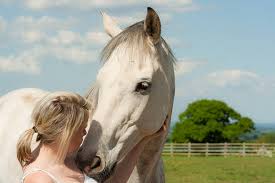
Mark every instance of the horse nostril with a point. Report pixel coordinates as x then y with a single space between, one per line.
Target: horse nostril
90 167
97 164
80 149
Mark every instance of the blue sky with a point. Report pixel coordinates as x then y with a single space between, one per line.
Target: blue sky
225 49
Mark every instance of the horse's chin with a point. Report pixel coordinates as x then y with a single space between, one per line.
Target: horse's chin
101 176
105 173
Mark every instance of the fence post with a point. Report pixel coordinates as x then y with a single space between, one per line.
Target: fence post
225 149
206 153
189 149
243 149
171 150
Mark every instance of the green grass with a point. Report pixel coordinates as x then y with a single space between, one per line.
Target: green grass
219 169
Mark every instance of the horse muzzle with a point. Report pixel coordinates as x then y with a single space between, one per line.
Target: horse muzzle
95 168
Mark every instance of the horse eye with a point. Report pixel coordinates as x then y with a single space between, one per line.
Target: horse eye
143 87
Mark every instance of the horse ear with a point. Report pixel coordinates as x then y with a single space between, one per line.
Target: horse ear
152 25
110 26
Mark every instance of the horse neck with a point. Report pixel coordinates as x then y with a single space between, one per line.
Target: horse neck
149 166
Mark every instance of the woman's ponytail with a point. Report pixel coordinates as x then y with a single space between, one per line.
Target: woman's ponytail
23 147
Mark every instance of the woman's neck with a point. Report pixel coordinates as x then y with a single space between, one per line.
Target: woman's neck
48 155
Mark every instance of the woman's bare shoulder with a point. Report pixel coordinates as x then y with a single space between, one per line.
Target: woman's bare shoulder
40 177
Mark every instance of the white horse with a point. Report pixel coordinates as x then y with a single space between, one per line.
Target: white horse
15 117
132 97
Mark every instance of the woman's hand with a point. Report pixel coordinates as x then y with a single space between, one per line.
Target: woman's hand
161 131
164 127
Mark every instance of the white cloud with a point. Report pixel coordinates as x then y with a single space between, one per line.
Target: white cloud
27 30
44 23
52 30
7 1
33 36
165 17
127 20
231 77
192 88
180 92
73 54
22 63
65 37
177 43
98 3
29 61
171 2
40 4
82 4
273 83
184 66
47 38
184 9
222 83
180 5
2 24
97 37
139 16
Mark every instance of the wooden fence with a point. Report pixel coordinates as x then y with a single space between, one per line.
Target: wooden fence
219 149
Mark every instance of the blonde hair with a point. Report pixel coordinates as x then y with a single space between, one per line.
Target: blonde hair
55 117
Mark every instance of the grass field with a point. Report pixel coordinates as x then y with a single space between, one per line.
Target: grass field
219 169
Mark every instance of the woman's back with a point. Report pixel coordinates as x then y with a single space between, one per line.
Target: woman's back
37 173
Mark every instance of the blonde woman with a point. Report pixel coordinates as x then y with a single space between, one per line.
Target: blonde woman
59 122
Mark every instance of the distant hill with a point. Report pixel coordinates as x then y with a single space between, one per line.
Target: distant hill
265 127
261 128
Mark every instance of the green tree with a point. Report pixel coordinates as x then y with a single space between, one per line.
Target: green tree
210 121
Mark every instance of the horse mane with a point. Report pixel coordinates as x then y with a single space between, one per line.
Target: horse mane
136 40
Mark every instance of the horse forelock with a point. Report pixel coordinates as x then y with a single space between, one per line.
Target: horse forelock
136 42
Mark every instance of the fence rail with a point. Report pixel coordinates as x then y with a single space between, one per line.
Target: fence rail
219 149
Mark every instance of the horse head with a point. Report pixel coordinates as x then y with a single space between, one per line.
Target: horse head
132 96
